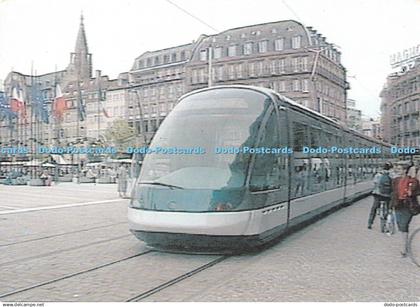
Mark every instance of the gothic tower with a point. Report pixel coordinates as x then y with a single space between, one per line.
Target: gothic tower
80 67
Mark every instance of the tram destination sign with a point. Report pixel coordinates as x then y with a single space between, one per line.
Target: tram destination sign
406 57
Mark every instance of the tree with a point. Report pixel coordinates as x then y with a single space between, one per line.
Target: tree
120 135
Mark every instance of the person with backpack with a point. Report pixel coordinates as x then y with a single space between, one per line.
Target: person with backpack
382 191
404 200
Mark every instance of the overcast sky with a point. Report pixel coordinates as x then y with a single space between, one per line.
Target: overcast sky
44 32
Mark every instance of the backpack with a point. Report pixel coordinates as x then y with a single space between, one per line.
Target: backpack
406 188
385 185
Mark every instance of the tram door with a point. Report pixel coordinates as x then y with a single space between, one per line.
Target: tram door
269 178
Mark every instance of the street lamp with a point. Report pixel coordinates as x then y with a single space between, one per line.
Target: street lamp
139 106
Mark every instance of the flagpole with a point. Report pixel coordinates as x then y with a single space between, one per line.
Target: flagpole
78 125
32 124
57 122
99 102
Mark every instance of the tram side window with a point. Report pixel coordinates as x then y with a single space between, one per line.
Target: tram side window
267 172
300 172
316 183
299 137
330 162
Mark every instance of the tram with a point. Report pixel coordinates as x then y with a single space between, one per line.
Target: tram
233 167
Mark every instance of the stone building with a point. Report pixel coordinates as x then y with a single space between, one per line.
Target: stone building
400 107
354 115
286 56
371 127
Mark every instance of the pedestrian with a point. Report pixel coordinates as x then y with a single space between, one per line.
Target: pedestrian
404 199
122 181
382 191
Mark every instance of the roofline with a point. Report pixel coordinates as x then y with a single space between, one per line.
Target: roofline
158 50
268 23
25 75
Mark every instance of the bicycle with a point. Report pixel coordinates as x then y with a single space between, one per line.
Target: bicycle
387 218
414 247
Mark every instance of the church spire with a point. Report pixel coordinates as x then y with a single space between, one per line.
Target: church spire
81 41
80 66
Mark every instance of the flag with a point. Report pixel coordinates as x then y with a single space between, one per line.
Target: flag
23 106
106 114
59 103
39 105
5 111
16 103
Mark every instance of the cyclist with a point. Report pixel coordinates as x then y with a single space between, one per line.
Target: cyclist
382 191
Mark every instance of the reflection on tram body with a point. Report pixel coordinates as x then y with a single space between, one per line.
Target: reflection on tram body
243 199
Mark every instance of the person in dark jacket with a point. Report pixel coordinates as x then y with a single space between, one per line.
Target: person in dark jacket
379 192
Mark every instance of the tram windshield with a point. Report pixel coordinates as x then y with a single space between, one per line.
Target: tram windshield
206 130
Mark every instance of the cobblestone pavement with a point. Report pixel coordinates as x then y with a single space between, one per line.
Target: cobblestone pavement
19 197
335 259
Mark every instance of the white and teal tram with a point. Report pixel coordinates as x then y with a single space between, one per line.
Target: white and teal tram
237 166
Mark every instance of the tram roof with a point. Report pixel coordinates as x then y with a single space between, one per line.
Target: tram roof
270 92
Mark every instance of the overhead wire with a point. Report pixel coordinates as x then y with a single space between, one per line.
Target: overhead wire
192 15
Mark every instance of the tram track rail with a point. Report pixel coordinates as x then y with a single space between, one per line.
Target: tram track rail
63 250
61 234
176 280
58 279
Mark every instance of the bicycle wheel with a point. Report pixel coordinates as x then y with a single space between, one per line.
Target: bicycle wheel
414 247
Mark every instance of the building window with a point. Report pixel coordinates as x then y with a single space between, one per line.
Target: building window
173 57
217 52
203 55
219 73
166 58
296 85
260 67
279 44
202 76
282 65
251 69
296 64
194 77
231 71
281 86
157 61
296 42
248 48
305 85
262 47
183 56
274 67
304 64
239 71
149 62
232 50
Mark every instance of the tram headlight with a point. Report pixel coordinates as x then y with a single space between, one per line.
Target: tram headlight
223 207
137 203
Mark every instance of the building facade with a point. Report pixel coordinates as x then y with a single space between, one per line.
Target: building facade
400 107
286 56
372 127
354 115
